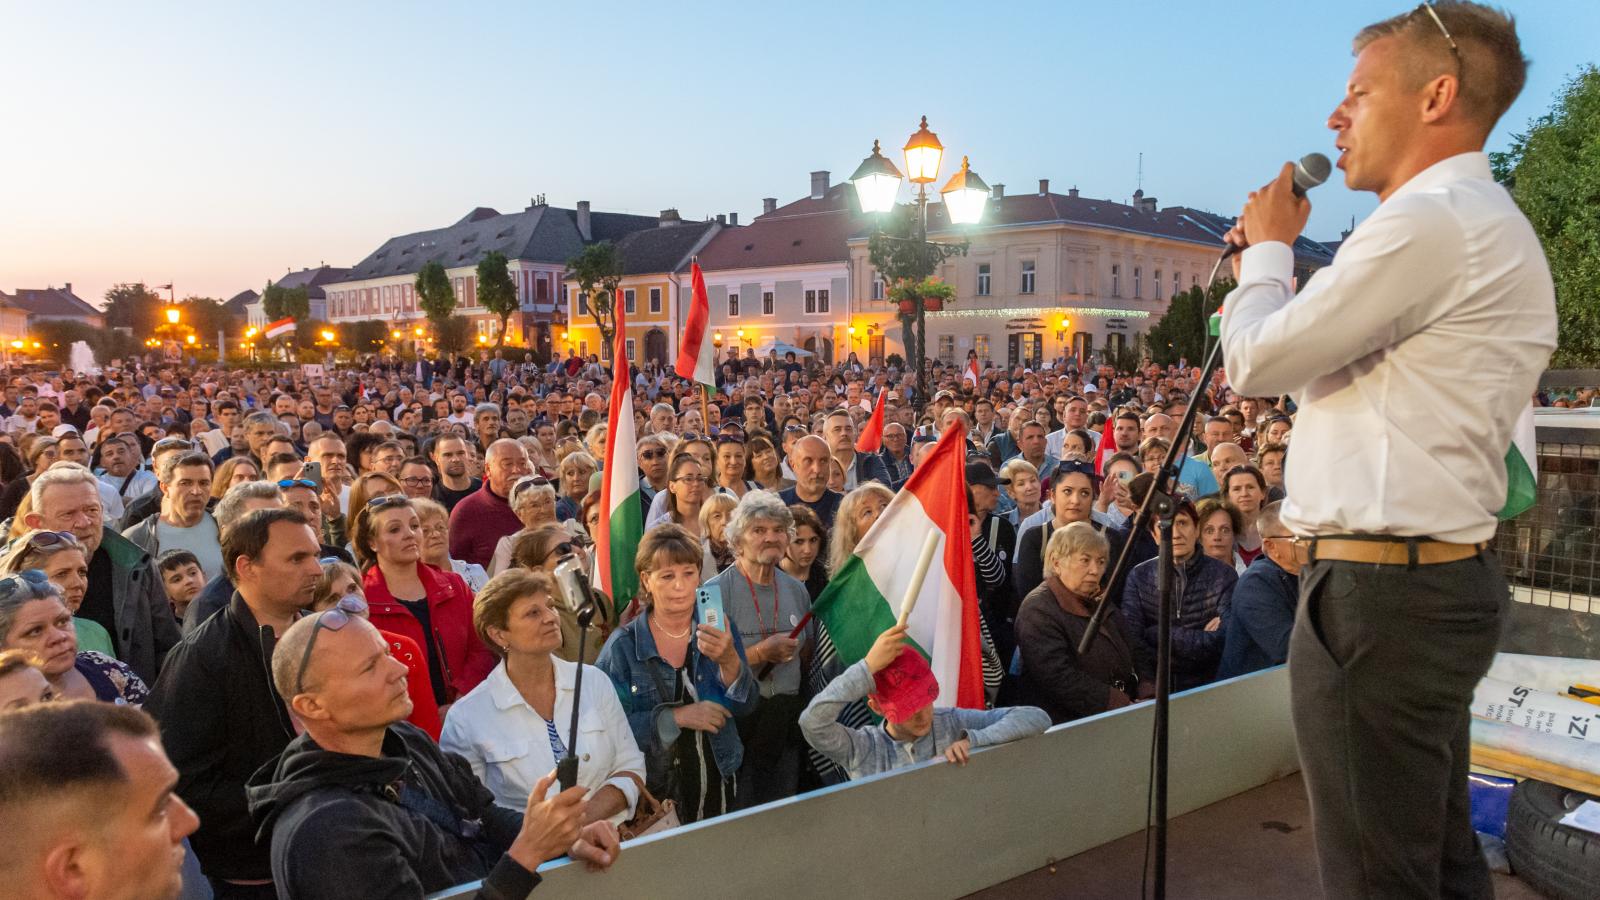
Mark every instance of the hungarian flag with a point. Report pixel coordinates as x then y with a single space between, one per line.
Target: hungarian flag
279 328
861 601
971 373
697 358
871 439
621 512
1522 467
1108 444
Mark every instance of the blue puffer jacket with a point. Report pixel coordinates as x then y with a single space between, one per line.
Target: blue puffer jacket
1202 591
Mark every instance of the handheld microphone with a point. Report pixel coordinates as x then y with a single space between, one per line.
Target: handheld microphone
1312 170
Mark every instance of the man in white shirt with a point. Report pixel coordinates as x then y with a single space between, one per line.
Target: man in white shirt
1398 471
119 461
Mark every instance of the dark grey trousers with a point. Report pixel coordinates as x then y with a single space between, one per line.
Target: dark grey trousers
1382 664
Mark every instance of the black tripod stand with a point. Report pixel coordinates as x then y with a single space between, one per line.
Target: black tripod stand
1159 504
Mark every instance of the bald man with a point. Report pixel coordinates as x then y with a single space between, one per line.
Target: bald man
480 520
810 459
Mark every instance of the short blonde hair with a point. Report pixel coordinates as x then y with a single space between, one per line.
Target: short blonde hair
492 607
1079 537
717 502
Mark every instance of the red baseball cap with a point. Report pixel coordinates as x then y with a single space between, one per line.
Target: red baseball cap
905 687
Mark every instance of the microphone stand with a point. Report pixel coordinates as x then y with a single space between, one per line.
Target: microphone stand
572 587
1159 504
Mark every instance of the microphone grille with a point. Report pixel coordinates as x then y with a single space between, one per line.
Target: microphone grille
1312 170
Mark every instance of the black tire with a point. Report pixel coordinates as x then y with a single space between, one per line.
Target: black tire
1557 861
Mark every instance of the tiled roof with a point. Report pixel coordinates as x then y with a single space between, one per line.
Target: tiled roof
663 249
538 233
809 230
312 280
52 302
236 304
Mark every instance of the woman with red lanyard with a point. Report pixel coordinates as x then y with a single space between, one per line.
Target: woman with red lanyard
409 597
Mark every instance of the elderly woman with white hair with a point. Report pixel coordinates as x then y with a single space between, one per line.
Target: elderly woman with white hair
766 604
533 499
1051 622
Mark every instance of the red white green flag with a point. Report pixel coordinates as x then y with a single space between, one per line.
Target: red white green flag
621 513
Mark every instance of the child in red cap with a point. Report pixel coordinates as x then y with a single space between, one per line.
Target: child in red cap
900 687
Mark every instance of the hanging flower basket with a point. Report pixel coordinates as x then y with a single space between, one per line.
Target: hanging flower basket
908 307
933 304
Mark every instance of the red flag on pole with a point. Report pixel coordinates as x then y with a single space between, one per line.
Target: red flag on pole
696 357
871 439
1108 444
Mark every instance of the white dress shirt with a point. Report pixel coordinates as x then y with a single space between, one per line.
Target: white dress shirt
1411 357
508 744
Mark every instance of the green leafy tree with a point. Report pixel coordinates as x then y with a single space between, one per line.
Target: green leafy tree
286 303
1181 333
496 291
134 307
435 296
366 336
452 334
1553 172
597 270
206 316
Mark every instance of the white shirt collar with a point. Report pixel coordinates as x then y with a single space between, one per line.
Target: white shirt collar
506 695
1474 164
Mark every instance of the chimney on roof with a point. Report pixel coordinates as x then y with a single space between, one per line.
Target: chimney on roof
584 231
1044 186
670 217
1072 191
733 219
1147 205
997 192
67 288
722 219
819 184
769 204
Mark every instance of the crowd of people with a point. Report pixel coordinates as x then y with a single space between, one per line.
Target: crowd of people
308 627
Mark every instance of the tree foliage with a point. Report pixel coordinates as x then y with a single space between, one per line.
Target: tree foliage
597 270
899 256
435 297
206 316
451 334
365 336
134 307
56 338
1181 333
1553 172
497 293
279 302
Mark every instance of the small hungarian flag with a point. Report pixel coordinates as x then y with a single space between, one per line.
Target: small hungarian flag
856 605
1522 467
621 512
1216 323
1108 444
279 328
871 439
971 373
697 358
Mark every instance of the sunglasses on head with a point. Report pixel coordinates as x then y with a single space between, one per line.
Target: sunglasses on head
529 481
348 607
387 501
730 439
33 581
286 483
51 540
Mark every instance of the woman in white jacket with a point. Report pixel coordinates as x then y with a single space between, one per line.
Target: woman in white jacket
515 726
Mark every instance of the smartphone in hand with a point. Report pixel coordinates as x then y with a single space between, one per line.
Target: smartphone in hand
708 605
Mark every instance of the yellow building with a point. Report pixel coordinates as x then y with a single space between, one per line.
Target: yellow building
655 270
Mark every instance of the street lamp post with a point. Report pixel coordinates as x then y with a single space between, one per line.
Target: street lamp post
877 183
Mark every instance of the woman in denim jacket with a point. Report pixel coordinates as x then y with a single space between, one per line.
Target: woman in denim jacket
681 682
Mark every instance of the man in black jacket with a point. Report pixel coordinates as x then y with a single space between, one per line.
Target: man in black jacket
221 719
364 804
859 468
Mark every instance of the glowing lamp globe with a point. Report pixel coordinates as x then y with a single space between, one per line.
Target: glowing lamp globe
923 153
965 195
877 182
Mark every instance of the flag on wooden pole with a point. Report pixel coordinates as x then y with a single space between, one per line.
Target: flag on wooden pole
621 513
697 357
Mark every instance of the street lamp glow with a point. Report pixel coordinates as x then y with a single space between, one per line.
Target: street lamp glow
172 315
716 338
877 182
739 334
923 153
189 339
17 345
250 332
965 195
417 331
327 335
395 334
483 339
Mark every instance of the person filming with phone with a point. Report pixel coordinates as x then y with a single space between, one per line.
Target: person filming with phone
681 681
